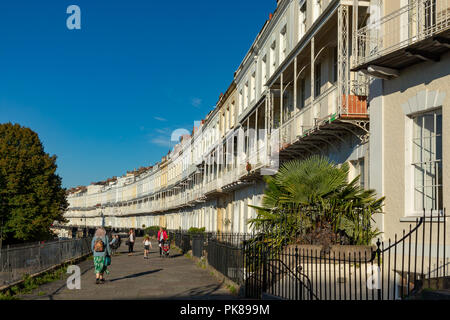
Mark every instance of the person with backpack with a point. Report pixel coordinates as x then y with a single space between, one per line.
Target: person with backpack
162 236
102 254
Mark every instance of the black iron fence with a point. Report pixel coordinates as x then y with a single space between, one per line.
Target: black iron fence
198 242
17 261
225 252
394 269
182 239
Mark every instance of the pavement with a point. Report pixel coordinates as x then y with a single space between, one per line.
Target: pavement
135 278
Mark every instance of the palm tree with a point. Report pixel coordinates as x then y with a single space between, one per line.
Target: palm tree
311 199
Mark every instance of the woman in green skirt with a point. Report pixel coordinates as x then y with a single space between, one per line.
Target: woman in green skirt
102 253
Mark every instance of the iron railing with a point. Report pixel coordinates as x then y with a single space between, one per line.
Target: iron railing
418 20
181 239
390 270
225 253
18 261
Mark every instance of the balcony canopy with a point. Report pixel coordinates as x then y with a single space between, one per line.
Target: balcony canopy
418 31
429 49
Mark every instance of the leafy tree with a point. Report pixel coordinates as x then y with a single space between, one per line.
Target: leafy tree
311 201
31 196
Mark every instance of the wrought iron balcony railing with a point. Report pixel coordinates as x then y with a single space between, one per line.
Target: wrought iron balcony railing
419 20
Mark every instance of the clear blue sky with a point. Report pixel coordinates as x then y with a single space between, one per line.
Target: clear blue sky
105 98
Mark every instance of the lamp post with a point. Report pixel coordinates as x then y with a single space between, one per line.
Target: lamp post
1 239
84 233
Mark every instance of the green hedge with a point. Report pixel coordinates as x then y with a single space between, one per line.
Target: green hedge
151 230
196 230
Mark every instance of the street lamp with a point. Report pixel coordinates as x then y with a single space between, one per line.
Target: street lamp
84 225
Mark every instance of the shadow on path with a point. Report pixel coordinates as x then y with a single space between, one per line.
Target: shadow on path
136 275
175 278
207 292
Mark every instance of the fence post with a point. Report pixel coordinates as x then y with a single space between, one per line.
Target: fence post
7 263
60 252
39 254
264 285
379 268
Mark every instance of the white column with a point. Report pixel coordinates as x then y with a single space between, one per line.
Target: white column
312 73
248 138
295 84
256 134
281 99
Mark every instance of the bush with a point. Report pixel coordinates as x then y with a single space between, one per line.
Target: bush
312 201
152 231
193 230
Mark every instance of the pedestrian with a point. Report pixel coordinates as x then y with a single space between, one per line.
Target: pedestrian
131 238
114 244
162 236
119 241
114 241
102 254
147 246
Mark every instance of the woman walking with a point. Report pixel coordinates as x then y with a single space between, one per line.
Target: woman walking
162 236
147 246
102 254
131 239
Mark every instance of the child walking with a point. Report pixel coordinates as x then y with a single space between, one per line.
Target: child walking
147 246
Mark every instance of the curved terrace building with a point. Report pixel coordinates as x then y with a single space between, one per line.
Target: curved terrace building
292 96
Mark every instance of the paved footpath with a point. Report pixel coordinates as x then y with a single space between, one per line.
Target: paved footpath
133 277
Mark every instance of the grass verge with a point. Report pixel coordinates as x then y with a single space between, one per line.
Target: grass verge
29 284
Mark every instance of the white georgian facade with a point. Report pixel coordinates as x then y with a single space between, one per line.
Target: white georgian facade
292 96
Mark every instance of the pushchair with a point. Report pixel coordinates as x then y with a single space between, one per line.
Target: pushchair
165 245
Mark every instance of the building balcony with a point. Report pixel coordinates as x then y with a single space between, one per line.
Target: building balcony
324 122
323 110
213 187
354 107
230 176
417 32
